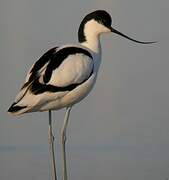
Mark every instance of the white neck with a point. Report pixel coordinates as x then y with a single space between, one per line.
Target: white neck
93 42
91 32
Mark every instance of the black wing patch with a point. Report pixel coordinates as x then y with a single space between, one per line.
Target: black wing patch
59 57
39 64
39 88
55 58
42 61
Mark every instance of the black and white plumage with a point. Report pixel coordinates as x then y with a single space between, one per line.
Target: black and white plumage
56 80
65 75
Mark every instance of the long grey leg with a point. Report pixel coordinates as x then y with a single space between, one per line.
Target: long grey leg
63 141
51 144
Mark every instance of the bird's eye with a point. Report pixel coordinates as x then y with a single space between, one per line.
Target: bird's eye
105 22
102 21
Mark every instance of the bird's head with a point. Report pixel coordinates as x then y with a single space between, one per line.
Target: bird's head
99 22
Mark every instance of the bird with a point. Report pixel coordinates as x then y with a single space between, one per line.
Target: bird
65 75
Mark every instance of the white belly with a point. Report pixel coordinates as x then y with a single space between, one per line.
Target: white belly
71 97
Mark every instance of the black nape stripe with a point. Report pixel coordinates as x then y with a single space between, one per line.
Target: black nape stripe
59 57
14 108
38 88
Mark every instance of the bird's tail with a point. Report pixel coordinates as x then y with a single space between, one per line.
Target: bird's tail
20 104
16 109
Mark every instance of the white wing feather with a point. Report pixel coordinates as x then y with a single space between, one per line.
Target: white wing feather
73 70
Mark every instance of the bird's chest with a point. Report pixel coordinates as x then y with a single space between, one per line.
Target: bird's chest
96 62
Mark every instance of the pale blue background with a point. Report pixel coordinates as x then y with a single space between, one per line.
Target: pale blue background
121 130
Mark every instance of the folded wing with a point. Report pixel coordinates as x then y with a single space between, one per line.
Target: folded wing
57 72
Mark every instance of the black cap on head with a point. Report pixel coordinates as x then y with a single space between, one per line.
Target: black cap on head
100 16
